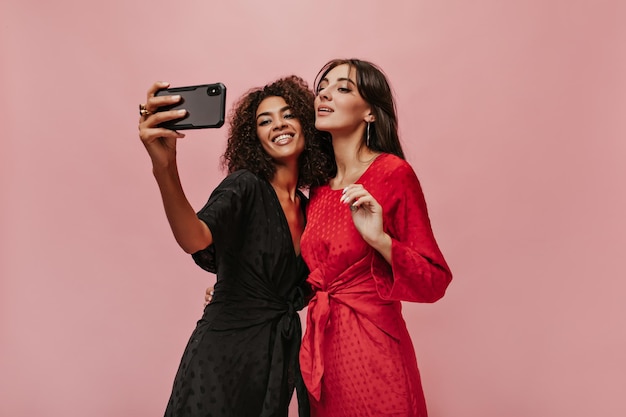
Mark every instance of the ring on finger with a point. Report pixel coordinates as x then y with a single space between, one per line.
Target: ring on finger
143 111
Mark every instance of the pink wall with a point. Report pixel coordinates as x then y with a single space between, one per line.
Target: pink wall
514 116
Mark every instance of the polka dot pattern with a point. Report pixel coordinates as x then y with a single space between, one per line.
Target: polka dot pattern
241 360
357 357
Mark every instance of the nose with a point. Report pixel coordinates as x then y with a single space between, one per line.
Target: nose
279 123
323 93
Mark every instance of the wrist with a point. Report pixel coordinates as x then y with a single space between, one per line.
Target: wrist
381 243
164 168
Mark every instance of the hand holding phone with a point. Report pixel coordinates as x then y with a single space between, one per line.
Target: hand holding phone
205 105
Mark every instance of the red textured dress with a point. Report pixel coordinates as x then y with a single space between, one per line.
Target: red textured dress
357 358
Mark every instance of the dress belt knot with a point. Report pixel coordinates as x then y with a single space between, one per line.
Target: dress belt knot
311 357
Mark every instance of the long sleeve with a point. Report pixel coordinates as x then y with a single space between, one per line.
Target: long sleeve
418 271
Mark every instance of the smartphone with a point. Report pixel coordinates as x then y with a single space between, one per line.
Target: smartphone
205 105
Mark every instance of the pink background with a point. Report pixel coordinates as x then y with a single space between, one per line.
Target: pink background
512 113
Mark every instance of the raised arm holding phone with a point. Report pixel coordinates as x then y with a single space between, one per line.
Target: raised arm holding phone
241 359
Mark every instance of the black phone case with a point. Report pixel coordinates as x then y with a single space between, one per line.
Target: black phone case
205 105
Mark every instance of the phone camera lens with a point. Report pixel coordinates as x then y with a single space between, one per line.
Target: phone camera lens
213 91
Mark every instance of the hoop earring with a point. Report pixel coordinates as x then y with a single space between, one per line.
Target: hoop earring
367 139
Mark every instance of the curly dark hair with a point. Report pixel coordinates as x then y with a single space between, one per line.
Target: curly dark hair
244 150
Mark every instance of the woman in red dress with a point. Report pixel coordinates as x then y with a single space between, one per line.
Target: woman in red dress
369 245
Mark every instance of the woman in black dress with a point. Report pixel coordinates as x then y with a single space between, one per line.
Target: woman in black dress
241 359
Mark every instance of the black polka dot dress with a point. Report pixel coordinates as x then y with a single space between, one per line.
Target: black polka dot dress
241 359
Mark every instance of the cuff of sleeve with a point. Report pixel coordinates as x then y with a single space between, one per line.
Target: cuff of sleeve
205 259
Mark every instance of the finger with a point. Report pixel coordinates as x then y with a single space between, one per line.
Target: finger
350 200
154 120
360 202
154 103
149 136
148 133
362 199
159 85
369 204
352 195
352 187
208 294
148 108
208 299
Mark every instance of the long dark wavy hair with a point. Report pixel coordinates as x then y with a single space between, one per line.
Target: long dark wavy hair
373 86
244 149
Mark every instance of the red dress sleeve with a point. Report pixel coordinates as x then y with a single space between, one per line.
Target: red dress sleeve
418 271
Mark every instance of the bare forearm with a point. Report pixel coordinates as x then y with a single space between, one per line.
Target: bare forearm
191 233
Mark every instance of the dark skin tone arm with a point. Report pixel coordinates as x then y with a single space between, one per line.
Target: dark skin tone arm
191 233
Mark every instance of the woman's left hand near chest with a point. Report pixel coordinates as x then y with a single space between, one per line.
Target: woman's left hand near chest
367 215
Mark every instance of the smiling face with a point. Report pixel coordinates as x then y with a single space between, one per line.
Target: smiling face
279 131
339 107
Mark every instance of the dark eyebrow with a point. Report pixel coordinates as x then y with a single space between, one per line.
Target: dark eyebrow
266 113
348 80
339 79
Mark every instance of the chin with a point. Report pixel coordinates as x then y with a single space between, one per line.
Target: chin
322 128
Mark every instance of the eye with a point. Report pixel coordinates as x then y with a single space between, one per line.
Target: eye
345 89
264 122
320 87
289 116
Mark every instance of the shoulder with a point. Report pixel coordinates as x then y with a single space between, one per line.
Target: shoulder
391 165
392 179
238 192
241 176
242 180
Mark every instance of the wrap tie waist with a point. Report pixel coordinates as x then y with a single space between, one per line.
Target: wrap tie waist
286 347
284 365
360 296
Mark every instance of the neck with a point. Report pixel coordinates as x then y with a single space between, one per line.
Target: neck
285 181
352 158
